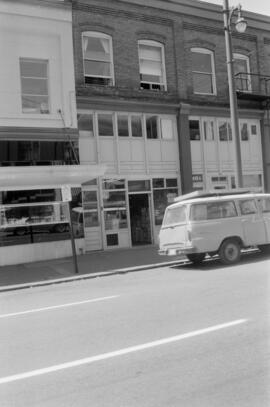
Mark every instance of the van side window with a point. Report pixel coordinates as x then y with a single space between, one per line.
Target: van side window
213 210
247 207
264 204
175 215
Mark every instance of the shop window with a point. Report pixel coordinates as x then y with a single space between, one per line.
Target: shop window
225 131
194 130
85 124
152 67
34 85
115 219
203 72
139 186
164 192
35 216
152 127
113 184
105 124
97 58
158 182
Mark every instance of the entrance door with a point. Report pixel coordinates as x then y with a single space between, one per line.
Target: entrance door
140 219
92 225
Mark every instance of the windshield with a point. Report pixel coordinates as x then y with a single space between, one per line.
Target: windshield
175 214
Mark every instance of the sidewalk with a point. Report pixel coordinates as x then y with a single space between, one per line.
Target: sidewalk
90 265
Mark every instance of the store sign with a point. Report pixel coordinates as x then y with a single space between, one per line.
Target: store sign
66 193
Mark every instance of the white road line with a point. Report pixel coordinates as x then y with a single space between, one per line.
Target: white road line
71 304
103 356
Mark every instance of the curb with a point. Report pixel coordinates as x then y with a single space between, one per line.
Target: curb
88 276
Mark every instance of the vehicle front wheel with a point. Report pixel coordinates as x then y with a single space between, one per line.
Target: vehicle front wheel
196 258
230 251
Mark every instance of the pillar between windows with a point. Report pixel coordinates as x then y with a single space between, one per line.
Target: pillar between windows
184 148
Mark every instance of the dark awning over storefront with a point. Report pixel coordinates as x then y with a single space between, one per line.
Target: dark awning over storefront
33 177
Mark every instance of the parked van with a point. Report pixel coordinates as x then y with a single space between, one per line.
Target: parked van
215 223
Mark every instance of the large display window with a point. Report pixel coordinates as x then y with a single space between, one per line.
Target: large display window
35 216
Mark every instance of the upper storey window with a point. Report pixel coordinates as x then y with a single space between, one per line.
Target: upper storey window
34 85
152 67
97 58
242 72
203 71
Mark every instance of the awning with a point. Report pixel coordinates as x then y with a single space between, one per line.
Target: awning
34 177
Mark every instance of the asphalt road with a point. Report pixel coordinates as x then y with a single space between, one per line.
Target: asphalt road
170 337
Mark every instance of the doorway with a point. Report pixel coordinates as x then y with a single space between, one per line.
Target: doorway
140 219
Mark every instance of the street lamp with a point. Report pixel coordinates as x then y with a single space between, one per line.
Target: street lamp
240 25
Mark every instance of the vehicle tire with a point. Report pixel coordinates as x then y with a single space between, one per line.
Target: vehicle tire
196 258
264 248
230 251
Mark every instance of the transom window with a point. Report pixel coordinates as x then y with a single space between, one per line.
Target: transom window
97 58
242 72
152 67
203 71
34 85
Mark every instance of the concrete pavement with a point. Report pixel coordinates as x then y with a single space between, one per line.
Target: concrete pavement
90 265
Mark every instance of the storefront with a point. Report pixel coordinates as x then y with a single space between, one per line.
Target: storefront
34 220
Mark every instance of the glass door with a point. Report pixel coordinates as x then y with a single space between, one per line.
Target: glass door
92 224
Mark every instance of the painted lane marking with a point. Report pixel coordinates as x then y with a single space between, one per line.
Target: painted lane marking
71 304
108 355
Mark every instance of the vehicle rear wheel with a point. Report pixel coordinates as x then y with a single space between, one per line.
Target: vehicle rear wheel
265 248
230 251
196 258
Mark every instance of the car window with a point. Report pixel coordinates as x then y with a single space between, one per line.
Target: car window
213 210
264 204
247 206
175 215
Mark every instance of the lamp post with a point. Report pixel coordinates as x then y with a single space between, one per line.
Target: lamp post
240 26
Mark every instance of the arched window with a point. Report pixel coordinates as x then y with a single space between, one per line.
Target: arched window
152 65
203 71
242 72
97 58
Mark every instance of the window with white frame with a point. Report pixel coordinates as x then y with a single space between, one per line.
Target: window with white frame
224 130
242 72
129 125
152 65
97 58
203 71
34 85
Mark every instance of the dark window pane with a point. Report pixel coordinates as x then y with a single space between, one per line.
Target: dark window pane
194 130
105 125
136 126
158 183
122 122
151 127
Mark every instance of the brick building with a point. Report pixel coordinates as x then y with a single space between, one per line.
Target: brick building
153 105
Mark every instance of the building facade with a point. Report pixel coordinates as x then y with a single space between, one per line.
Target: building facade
127 103
153 105
38 131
